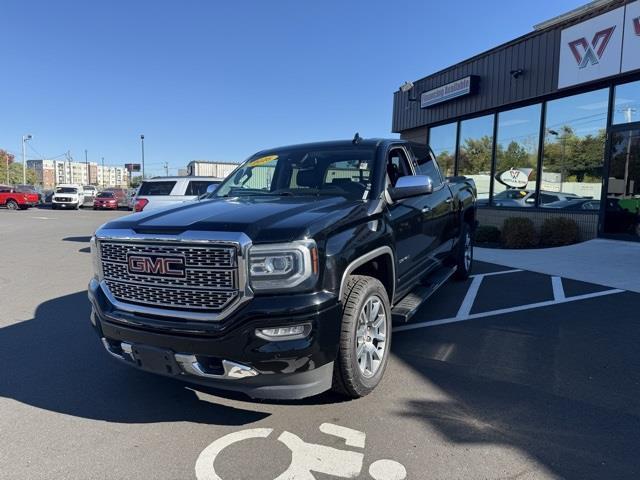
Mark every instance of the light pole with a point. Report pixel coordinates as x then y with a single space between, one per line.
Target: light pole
142 145
86 167
102 172
563 142
24 156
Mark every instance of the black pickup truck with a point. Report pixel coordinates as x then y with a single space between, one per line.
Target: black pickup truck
285 282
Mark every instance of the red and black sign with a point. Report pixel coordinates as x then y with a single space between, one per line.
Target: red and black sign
156 265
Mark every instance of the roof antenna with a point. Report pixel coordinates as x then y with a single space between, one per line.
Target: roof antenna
356 139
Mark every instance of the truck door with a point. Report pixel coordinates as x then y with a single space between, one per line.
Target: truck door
439 220
408 217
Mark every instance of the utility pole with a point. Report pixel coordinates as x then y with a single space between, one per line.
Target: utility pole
102 172
86 166
166 169
24 157
142 145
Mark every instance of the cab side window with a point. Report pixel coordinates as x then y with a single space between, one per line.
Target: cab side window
397 166
426 164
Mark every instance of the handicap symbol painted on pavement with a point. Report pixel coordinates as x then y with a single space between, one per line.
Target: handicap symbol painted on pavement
307 457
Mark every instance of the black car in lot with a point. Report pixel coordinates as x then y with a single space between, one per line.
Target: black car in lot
285 282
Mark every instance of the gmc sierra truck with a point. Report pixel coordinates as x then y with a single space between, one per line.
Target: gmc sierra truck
284 283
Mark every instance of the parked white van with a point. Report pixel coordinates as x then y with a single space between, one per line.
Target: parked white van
166 191
67 195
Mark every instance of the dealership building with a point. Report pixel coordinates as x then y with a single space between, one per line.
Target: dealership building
547 124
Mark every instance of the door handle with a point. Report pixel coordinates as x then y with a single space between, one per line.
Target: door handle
449 200
426 209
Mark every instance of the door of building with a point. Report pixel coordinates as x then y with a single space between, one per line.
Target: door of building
622 203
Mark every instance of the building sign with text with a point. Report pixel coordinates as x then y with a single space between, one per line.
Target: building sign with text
600 47
447 92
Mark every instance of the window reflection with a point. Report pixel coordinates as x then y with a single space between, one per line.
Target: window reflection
442 141
627 103
476 145
514 181
574 149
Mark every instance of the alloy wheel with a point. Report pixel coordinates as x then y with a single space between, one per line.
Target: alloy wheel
371 336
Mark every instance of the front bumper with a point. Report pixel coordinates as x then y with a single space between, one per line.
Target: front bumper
228 354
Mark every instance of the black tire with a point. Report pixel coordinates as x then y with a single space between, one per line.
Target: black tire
12 205
77 206
348 378
463 256
54 206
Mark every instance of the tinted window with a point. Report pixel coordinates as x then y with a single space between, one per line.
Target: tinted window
442 141
198 187
106 195
156 188
476 146
425 164
517 150
627 103
66 190
397 166
574 144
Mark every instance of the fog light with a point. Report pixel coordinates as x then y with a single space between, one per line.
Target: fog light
284 333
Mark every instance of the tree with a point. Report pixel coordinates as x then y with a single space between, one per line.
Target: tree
15 174
6 159
475 155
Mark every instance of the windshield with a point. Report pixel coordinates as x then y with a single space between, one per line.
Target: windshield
105 195
66 190
336 171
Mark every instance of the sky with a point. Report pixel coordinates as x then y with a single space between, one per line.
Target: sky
214 80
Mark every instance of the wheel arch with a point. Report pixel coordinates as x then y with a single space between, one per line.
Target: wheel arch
378 263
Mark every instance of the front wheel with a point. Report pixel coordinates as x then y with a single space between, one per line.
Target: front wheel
464 253
365 337
12 205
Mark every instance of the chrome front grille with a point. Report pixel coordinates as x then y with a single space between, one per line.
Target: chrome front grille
170 297
210 284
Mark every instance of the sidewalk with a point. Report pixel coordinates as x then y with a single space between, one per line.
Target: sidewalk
611 263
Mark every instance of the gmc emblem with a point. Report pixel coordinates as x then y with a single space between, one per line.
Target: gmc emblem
156 265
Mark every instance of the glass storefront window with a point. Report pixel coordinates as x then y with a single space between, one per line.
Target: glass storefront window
627 103
574 149
474 158
514 181
442 141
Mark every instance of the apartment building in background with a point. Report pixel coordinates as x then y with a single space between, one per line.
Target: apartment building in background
50 173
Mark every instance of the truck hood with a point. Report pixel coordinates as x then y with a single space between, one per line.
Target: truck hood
264 219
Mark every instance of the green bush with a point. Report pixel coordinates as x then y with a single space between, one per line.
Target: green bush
518 232
558 231
487 234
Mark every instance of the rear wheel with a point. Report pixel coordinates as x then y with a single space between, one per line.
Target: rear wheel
12 205
464 253
365 337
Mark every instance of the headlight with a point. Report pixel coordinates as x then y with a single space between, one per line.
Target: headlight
95 258
283 266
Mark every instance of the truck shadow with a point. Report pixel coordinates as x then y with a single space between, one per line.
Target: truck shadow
56 362
560 384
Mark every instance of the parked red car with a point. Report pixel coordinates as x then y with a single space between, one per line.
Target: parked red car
107 200
15 200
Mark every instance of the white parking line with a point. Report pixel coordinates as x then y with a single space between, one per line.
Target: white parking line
558 289
470 297
503 311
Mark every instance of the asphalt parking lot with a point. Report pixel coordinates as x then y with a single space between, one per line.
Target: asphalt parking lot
511 374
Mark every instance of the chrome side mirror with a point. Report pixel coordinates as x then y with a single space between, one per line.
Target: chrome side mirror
212 188
411 186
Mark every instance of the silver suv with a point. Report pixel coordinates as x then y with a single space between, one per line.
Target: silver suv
165 191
